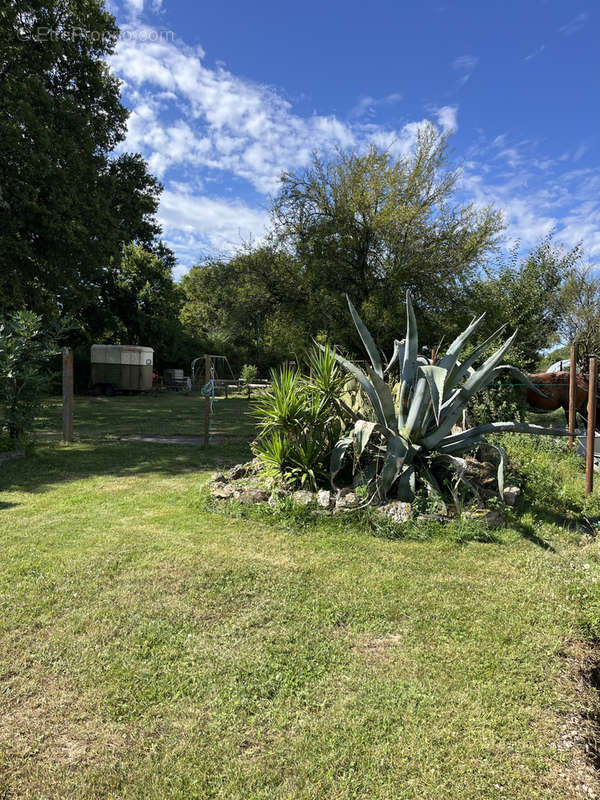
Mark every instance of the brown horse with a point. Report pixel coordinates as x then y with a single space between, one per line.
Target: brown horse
555 386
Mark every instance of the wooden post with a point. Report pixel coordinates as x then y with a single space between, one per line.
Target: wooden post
67 387
572 376
206 400
591 429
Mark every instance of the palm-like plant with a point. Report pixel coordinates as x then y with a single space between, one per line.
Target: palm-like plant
410 438
299 421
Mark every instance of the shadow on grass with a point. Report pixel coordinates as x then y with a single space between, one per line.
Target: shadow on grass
52 464
527 531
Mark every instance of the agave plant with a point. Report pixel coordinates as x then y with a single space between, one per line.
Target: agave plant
412 436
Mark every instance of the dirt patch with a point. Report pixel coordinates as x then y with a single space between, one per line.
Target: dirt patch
378 649
578 739
160 438
48 730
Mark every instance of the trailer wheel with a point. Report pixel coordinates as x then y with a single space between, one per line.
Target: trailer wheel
110 390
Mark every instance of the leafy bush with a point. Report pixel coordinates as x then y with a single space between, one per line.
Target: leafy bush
248 374
300 421
504 398
25 350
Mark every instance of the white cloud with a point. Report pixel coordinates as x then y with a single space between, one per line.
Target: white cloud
447 118
574 24
225 122
197 225
535 53
536 197
202 127
465 63
367 105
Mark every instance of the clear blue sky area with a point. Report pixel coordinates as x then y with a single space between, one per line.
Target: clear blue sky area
224 96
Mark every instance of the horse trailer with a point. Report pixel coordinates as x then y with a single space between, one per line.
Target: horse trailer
121 368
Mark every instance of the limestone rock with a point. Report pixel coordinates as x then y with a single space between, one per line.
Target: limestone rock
253 496
347 499
303 497
253 466
493 518
236 472
511 494
219 478
324 498
222 491
396 511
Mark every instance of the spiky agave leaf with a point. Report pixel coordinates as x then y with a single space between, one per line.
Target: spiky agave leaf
449 359
431 399
361 435
452 408
398 451
409 363
436 378
365 384
367 339
397 356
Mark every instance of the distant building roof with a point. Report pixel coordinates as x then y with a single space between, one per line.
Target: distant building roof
559 366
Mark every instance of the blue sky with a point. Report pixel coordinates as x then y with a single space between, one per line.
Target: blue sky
225 96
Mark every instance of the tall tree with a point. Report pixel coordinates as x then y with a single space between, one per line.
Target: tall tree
374 226
580 319
66 206
526 292
139 303
252 306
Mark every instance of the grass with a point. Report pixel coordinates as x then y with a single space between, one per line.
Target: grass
150 648
165 413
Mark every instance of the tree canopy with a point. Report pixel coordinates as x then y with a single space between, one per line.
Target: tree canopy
67 205
374 226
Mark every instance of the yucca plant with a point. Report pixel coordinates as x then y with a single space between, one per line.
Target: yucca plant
411 438
298 420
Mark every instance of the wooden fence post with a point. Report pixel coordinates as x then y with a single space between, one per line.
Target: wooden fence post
67 387
591 429
572 376
206 399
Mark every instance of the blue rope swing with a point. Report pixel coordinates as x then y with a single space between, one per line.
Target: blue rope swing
208 390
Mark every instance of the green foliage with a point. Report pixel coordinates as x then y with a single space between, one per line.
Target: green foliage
299 421
580 321
252 306
66 205
248 374
411 440
557 354
141 304
25 350
372 225
503 398
527 295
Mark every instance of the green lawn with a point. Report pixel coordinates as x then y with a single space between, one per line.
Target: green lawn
152 649
165 413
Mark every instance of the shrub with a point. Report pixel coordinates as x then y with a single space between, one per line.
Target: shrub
300 420
248 374
25 350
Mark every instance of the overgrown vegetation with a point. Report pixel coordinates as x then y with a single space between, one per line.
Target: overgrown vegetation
26 348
